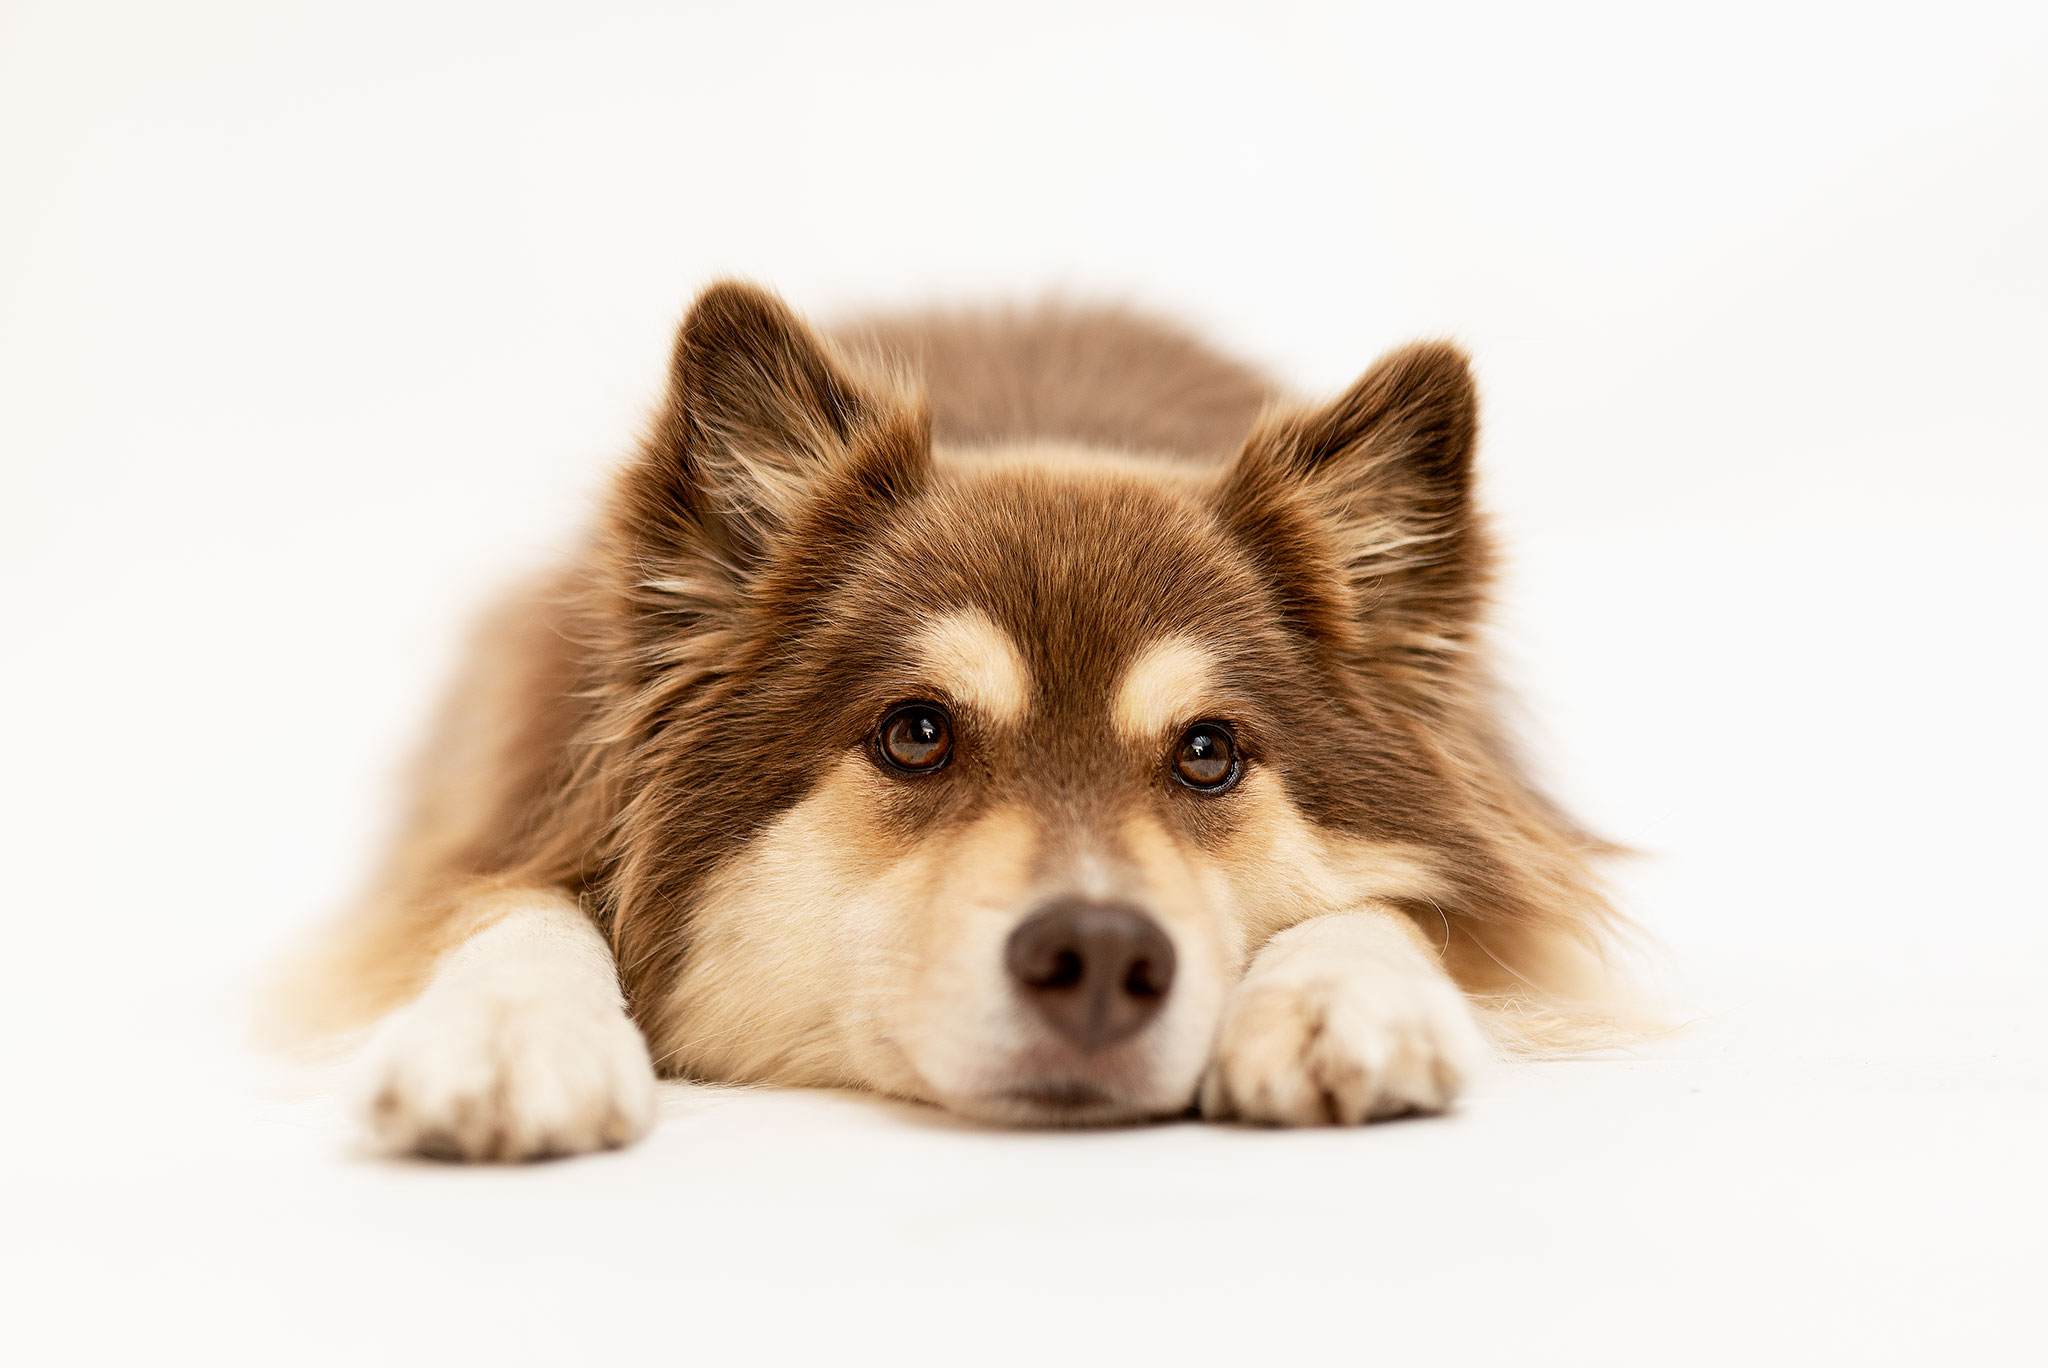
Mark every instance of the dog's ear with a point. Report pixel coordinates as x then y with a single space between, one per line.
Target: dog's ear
762 421
1370 496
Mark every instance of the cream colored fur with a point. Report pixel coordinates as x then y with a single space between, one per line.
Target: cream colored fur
1166 687
519 1047
1342 1019
975 662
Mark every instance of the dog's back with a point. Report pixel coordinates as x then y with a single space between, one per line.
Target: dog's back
1097 376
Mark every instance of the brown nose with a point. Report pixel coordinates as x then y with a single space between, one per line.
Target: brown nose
1097 972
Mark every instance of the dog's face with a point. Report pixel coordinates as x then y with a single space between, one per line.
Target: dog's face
975 777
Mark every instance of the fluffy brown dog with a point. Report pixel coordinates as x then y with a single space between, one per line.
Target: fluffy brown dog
1031 714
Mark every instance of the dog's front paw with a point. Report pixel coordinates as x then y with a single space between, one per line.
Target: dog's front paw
1352 1042
472 1073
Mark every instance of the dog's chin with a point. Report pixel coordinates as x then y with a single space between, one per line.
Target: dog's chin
1063 1102
1050 1109
1034 1078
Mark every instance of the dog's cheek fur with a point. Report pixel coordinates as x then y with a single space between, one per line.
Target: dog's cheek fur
944 1002
1201 907
793 946
1279 868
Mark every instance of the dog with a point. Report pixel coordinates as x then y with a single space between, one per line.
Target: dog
1031 713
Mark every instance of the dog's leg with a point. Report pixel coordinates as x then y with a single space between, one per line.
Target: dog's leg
1339 1020
519 1047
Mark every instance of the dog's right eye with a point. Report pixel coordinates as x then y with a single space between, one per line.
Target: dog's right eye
1206 759
916 738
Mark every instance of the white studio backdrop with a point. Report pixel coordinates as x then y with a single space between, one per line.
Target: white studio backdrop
319 322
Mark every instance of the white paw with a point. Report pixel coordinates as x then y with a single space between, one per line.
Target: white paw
477 1072
1339 1044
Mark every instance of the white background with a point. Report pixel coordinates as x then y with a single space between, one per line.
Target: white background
318 322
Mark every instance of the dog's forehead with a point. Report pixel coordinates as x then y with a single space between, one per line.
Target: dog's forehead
1068 586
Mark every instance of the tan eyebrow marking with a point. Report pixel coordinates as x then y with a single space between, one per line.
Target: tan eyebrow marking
977 663
1166 685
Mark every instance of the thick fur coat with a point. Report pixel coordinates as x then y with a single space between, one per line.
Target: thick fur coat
1032 713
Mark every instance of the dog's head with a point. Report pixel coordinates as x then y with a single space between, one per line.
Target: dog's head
975 776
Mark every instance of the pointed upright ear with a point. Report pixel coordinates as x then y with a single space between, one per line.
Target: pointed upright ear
761 420
1360 509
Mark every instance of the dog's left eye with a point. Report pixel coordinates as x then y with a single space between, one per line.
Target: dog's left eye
1206 758
916 738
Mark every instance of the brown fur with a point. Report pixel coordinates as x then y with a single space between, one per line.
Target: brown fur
1099 377
731 629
